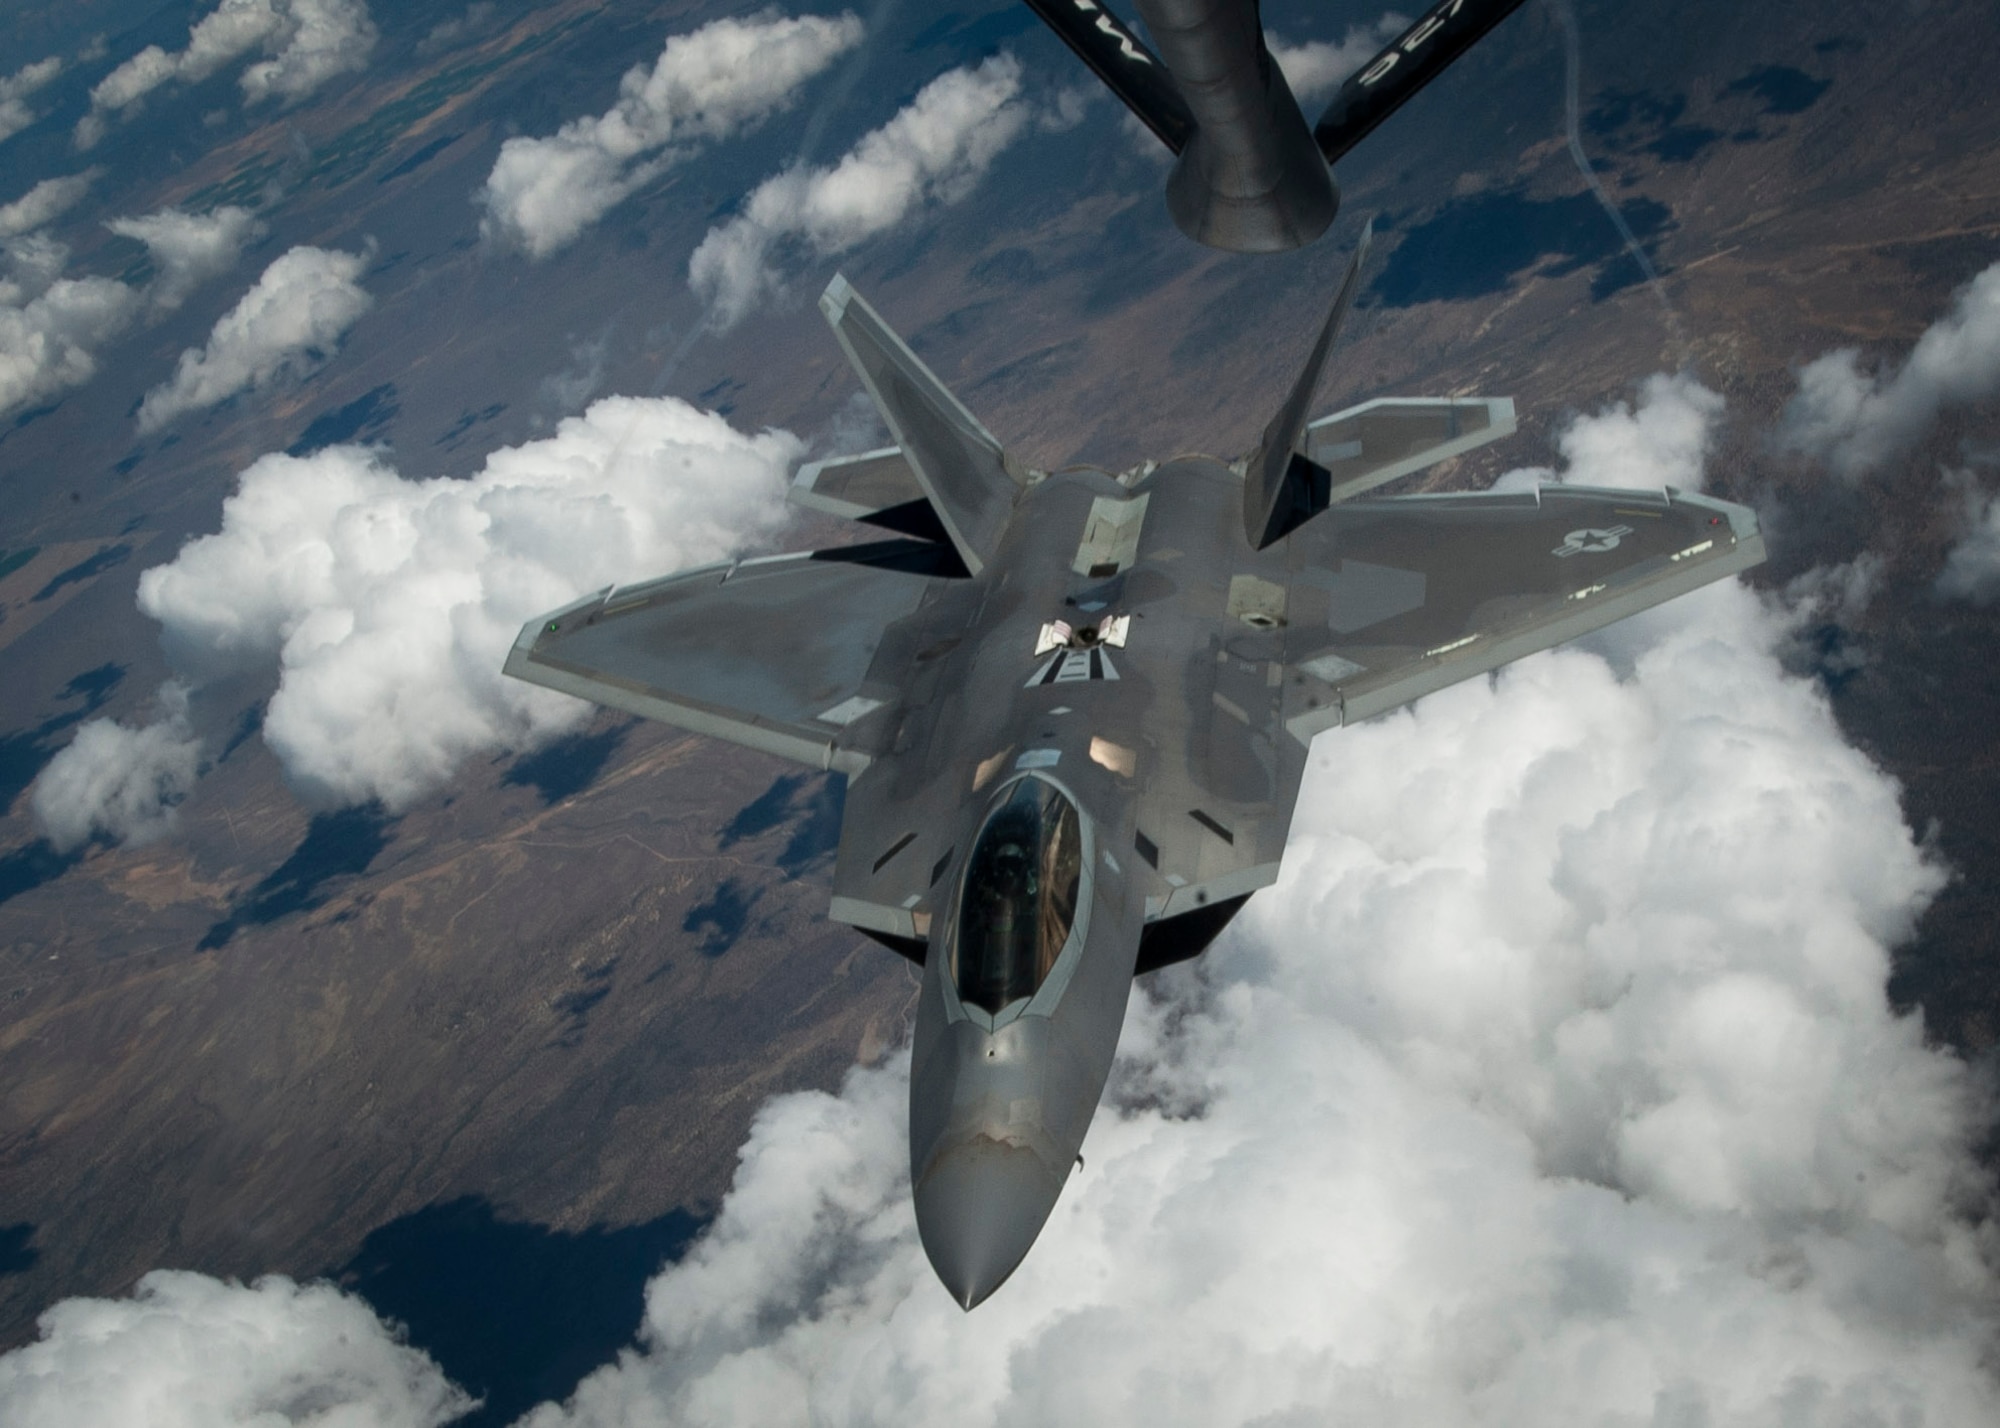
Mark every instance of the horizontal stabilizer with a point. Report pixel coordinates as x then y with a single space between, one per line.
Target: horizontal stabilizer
968 480
1377 442
1128 69
877 488
1282 487
857 487
1415 58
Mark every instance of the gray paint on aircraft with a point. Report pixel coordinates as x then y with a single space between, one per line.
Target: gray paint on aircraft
912 671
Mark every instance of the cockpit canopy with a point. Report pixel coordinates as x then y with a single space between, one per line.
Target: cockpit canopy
1020 896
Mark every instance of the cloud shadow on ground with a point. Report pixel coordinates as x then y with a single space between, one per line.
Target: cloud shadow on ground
359 420
1480 246
516 1313
720 919
337 845
568 766
16 1254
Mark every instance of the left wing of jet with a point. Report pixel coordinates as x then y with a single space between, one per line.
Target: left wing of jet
1389 600
774 654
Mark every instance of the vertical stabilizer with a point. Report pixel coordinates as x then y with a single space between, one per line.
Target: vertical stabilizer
968 478
1282 487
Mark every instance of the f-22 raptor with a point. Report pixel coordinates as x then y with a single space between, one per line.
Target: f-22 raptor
1073 707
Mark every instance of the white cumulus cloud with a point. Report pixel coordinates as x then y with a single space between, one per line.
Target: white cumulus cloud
706 85
119 782
319 39
188 249
1661 440
187 1351
444 34
44 203
1856 420
1972 569
384 607
51 327
1315 69
307 41
934 151
289 322
15 89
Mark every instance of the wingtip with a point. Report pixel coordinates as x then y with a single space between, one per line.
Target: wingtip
833 302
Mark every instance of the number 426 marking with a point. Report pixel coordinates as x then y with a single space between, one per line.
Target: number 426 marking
1414 39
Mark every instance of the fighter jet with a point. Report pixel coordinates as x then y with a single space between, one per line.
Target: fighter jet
1249 175
1072 708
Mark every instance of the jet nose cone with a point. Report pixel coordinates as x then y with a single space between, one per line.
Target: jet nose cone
978 1210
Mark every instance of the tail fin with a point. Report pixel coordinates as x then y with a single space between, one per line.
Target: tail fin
1412 60
1282 487
972 484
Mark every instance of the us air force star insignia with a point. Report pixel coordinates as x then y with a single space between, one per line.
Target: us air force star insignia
1591 542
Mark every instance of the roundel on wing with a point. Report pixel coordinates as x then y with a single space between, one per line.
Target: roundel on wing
1592 540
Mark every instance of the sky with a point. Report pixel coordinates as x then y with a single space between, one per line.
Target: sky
1556 1080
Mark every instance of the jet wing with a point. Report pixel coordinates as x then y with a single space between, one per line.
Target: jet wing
773 654
1389 600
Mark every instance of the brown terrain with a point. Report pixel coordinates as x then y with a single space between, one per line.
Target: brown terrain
565 987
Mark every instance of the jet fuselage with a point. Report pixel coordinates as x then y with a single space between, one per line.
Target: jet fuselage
1002 1093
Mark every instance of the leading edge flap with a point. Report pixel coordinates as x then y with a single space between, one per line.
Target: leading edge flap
774 654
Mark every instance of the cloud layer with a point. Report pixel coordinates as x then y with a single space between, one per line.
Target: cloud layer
1856 421
706 85
934 151
307 43
383 608
118 782
186 1351
289 322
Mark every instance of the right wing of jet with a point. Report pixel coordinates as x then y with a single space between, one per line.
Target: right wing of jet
773 654
968 479
1389 600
